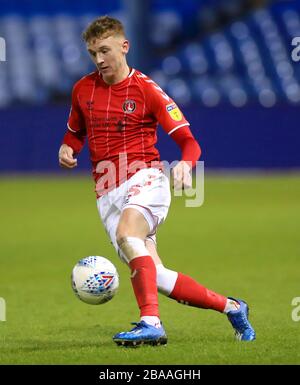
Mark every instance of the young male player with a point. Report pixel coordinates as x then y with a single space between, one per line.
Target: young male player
118 109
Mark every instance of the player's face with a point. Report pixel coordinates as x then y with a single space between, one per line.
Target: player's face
109 54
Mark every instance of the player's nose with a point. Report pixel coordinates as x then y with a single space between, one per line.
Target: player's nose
99 59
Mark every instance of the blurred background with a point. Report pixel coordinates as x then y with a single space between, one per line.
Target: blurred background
227 63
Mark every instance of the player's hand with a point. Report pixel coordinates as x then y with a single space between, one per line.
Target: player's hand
182 177
65 157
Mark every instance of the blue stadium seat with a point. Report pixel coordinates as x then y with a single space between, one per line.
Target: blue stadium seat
168 27
244 61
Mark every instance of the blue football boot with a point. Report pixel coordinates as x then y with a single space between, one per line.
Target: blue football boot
239 320
142 333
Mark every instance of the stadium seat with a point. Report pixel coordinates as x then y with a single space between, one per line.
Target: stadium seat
245 60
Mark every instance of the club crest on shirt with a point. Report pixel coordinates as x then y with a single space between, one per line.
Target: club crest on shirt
129 106
174 112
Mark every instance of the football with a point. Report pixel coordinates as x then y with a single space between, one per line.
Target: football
95 280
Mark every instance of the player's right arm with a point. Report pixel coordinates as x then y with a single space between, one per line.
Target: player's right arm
176 126
74 138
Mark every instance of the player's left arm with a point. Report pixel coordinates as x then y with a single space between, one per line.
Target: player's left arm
176 126
190 153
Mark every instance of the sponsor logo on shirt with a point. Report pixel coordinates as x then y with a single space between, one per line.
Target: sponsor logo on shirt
90 105
174 112
129 106
121 125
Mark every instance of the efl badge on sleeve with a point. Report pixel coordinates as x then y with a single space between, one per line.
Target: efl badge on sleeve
174 112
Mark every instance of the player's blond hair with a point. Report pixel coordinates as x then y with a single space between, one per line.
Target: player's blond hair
102 28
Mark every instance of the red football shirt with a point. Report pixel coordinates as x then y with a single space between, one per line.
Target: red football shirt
120 122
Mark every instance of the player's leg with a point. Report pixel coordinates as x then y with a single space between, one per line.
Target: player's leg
110 210
186 290
145 206
130 236
131 233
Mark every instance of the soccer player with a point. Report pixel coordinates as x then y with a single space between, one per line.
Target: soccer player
118 109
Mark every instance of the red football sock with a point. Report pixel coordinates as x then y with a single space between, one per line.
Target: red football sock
190 292
143 279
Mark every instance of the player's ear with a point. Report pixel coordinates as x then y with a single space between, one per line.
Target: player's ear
125 46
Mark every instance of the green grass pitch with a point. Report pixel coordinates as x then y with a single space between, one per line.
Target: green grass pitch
244 241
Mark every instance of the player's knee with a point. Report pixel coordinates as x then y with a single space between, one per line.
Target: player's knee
120 239
122 233
132 246
132 224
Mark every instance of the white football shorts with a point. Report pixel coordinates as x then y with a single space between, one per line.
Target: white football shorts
147 191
